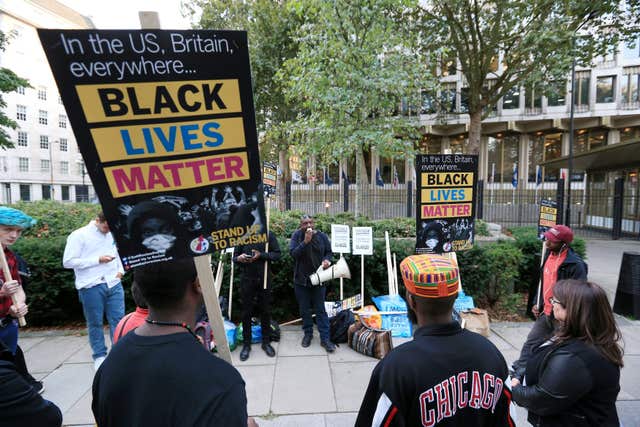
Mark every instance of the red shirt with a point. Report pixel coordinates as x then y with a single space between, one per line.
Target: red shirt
550 277
130 322
5 302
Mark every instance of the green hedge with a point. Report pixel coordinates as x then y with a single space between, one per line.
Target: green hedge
488 272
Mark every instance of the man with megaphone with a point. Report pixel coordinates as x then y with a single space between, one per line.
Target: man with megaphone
311 249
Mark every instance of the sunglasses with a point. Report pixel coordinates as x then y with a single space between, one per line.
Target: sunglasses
552 300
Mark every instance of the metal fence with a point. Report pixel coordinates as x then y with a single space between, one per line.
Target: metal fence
593 214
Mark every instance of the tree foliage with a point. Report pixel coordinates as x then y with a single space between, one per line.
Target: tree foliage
536 40
9 82
357 63
271 26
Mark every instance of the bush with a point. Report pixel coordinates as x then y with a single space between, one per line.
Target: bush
56 218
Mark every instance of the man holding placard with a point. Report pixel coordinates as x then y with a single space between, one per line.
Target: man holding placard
252 259
311 249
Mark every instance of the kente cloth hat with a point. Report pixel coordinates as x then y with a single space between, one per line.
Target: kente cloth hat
559 233
430 276
15 218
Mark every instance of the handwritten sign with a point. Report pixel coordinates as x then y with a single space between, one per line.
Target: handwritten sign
548 216
362 241
340 239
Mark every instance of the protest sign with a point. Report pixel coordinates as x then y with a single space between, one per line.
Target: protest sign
362 241
340 239
548 216
446 202
165 123
269 176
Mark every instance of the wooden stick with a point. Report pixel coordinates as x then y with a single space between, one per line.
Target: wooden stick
231 282
454 257
205 275
219 274
395 275
361 281
544 252
266 246
7 277
389 266
341 284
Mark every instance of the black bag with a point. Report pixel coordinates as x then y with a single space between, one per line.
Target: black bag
339 325
275 331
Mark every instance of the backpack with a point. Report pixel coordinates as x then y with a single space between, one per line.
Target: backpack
339 326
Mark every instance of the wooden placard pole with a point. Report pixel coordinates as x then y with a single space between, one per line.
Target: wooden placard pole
7 276
543 253
395 275
219 274
266 245
205 274
341 284
389 265
231 282
362 281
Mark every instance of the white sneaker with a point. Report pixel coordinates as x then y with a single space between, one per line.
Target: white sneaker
97 362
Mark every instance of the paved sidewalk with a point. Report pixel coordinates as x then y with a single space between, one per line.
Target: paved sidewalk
308 387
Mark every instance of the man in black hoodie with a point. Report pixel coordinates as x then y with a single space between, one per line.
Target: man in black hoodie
560 263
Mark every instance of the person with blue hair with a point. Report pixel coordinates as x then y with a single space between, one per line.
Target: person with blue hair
12 297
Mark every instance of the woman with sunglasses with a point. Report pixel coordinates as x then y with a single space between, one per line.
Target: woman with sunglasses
573 379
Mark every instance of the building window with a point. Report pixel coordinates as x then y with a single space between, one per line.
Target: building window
64 145
605 89
503 154
511 99
42 117
429 103
45 164
630 134
21 112
448 66
23 164
448 97
629 89
543 148
585 140
62 121
44 142
64 168
25 192
630 50
42 93
23 139
533 99
392 171
464 100
430 144
581 89
46 192
556 93
65 192
20 90
458 144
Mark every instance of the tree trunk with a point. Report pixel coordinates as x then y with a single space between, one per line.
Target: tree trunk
475 130
283 160
362 186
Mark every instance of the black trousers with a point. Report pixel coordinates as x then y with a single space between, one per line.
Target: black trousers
255 301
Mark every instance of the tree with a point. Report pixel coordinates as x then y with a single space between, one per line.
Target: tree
271 26
537 41
9 82
357 65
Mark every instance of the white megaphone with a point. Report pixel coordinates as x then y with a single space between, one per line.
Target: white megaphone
336 271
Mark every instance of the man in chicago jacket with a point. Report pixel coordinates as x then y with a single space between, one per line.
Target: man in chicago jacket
446 375
560 263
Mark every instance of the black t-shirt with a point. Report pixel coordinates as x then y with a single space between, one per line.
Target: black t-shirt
168 380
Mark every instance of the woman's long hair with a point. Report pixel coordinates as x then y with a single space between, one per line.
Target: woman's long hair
589 318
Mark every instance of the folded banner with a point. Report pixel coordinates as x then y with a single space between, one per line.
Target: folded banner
166 126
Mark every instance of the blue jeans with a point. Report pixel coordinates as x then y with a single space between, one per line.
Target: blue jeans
9 336
98 301
312 298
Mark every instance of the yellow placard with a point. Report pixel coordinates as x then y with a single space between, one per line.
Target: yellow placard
143 101
162 139
548 210
452 210
144 178
448 195
447 179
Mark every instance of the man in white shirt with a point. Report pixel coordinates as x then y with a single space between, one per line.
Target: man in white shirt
92 253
